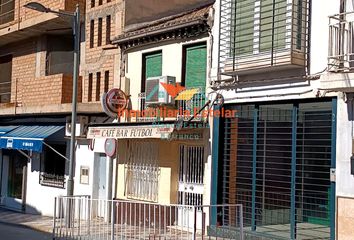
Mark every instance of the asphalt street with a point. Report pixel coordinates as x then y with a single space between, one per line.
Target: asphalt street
12 232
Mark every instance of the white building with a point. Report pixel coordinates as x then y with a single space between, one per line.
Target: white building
291 164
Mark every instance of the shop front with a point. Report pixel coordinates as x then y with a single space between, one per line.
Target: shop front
276 160
33 161
156 163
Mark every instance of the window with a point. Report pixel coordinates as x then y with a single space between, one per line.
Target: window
260 25
100 2
99 40
242 26
152 67
60 55
5 79
89 92
98 86
142 171
108 29
53 166
194 66
7 11
84 175
92 3
273 24
108 1
106 81
92 33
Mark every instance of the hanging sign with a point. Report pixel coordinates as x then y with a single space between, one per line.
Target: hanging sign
114 102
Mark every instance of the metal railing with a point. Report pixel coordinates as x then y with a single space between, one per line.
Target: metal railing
257 34
340 45
81 217
188 108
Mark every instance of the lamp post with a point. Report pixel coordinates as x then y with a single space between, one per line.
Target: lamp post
76 32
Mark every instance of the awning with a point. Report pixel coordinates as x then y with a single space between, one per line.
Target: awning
6 129
187 95
131 132
28 137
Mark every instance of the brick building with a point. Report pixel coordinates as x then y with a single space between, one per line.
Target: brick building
36 66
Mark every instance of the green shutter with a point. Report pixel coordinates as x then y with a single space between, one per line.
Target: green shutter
266 28
153 63
242 27
196 61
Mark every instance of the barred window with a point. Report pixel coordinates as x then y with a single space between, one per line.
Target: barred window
142 171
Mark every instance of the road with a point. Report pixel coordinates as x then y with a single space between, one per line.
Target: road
11 232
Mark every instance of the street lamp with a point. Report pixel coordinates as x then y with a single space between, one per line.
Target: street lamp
76 32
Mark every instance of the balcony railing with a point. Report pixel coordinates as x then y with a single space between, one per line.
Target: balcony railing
341 34
191 107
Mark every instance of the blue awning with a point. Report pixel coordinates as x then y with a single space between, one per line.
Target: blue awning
28 137
6 129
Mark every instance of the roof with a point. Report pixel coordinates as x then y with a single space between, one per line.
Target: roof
193 17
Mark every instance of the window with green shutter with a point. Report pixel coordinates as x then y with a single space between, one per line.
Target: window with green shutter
195 64
273 24
152 67
257 25
242 27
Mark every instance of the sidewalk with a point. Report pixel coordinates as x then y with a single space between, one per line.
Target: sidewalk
35 222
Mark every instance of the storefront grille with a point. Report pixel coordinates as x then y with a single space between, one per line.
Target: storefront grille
142 171
276 162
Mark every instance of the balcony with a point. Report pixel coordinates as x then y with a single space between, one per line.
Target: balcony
18 23
341 36
340 76
262 36
49 90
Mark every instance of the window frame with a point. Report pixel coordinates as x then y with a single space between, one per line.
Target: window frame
143 72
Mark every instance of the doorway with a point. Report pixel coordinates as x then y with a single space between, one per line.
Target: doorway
15 191
191 184
100 189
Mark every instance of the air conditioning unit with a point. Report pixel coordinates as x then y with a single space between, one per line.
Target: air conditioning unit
156 93
81 126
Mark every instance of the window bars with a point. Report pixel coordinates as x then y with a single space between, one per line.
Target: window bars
261 33
142 171
276 162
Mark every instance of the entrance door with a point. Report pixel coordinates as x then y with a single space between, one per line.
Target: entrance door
16 181
100 185
191 184
102 177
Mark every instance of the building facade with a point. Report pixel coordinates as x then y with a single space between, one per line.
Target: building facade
286 155
36 93
164 72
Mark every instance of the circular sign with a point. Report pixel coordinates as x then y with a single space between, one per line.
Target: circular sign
110 147
114 102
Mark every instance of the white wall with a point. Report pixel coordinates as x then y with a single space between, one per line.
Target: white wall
344 180
40 199
319 37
